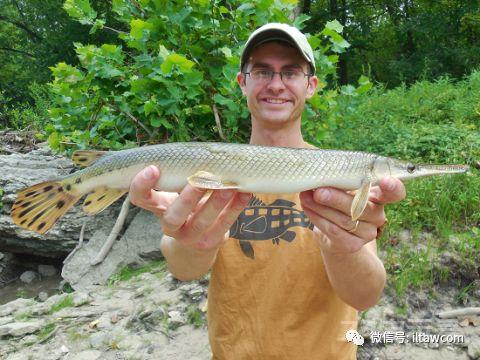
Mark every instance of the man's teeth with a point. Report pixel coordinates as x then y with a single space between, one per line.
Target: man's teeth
276 101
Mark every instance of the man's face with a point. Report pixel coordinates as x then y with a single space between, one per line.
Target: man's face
273 103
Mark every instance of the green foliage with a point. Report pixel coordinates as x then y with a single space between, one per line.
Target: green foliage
24 115
66 302
46 331
128 272
36 34
426 123
194 316
403 40
173 65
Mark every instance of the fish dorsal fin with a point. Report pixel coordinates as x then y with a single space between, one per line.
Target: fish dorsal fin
83 158
100 198
206 180
361 198
283 203
38 207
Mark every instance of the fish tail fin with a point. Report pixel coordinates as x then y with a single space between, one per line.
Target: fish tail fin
39 206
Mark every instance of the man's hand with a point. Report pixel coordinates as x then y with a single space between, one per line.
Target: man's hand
192 219
329 211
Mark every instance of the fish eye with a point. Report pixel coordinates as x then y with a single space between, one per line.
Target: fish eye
410 168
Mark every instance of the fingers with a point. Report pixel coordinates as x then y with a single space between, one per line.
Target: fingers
202 219
333 237
141 191
390 190
342 201
217 233
178 212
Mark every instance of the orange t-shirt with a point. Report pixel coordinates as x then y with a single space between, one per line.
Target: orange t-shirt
269 294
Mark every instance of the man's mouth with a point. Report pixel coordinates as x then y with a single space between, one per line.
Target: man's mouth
275 101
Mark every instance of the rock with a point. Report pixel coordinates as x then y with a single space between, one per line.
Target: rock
47 270
405 235
474 349
15 305
20 328
28 276
87 355
64 349
80 298
22 170
42 296
98 340
6 320
176 319
141 241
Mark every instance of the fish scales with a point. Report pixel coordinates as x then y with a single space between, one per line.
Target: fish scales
247 168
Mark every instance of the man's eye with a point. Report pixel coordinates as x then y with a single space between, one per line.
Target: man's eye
289 74
263 73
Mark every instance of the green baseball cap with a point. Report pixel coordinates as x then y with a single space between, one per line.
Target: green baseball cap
281 32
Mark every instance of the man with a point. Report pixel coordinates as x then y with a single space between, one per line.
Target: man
293 297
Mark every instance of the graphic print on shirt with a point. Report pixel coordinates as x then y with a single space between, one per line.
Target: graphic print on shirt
260 221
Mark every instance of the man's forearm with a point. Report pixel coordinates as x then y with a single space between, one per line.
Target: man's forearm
358 278
186 263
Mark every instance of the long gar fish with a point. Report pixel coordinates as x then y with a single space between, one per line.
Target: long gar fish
246 168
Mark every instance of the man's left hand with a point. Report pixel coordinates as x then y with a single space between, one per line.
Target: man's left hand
329 210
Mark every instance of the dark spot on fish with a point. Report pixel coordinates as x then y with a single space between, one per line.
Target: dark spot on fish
26 211
36 217
24 205
87 203
78 180
101 198
23 221
68 187
41 226
60 188
48 188
30 193
82 159
60 204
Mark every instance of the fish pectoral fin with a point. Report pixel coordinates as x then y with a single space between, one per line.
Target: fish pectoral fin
206 180
100 198
84 158
360 200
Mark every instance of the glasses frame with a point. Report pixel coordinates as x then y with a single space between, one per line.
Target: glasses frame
280 73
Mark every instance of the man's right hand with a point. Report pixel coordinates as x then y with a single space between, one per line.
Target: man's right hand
192 219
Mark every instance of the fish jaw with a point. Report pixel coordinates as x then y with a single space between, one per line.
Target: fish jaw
405 170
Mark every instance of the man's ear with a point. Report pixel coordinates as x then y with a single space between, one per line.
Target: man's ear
241 81
312 86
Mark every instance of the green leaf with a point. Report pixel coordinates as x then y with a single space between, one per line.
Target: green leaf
226 51
334 25
149 107
54 140
97 25
158 122
138 28
182 62
80 10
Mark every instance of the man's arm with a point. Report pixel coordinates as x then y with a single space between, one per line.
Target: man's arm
353 267
195 227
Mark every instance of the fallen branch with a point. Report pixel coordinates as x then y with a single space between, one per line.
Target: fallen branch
451 314
113 234
217 120
133 118
80 242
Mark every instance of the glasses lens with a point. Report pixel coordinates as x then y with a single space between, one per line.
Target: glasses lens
287 76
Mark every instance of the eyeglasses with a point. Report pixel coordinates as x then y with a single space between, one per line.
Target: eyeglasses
287 76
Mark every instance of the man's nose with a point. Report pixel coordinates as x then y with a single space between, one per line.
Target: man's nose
276 83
